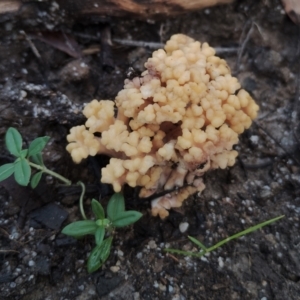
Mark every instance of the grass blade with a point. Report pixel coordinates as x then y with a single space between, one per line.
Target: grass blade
185 253
221 243
244 232
198 243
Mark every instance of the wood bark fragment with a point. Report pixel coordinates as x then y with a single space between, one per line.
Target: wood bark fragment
9 6
138 8
292 8
147 8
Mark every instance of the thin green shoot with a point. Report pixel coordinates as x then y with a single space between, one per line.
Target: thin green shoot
205 250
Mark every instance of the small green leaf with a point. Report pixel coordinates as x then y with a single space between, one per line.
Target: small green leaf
99 255
115 206
103 222
126 218
35 179
98 209
244 232
99 235
6 171
23 153
22 172
198 243
13 141
37 159
37 145
80 228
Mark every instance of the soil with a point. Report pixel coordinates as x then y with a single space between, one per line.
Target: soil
42 92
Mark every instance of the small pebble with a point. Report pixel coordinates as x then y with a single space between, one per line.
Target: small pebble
81 287
264 283
221 262
114 269
183 227
30 277
254 139
18 270
203 258
23 94
31 263
152 244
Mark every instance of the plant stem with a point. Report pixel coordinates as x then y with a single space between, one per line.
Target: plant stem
81 199
47 171
64 180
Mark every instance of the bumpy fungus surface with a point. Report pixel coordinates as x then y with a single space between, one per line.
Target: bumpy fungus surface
168 127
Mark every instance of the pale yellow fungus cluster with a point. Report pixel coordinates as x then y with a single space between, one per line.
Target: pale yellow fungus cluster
168 127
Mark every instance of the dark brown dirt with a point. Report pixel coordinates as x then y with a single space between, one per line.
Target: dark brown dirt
43 95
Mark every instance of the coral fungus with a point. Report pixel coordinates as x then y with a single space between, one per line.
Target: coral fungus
178 120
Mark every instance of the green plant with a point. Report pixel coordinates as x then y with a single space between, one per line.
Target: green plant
117 216
25 159
205 250
31 158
